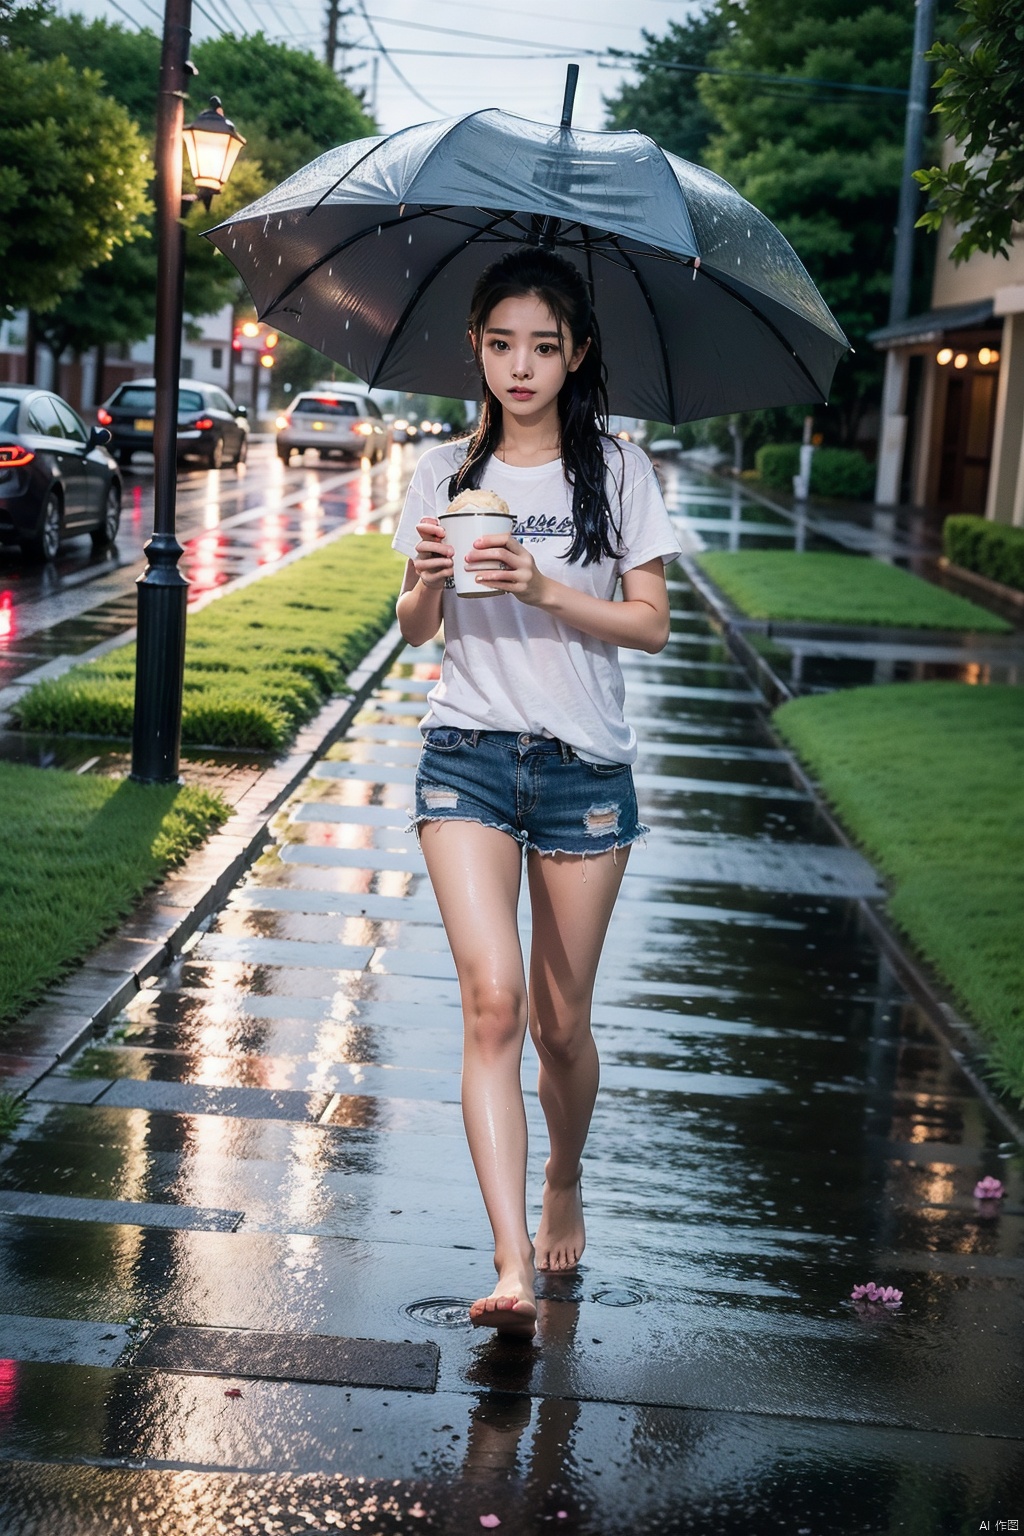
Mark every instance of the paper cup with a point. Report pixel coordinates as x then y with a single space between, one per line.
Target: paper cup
461 529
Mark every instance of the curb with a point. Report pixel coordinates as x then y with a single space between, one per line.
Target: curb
996 590
960 1038
171 911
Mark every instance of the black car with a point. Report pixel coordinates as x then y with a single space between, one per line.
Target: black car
56 476
211 427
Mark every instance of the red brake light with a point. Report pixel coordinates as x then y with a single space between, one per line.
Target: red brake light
204 423
13 456
104 417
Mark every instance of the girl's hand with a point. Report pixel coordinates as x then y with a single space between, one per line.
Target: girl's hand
519 575
433 563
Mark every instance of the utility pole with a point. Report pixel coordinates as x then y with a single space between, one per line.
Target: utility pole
331 46
913 153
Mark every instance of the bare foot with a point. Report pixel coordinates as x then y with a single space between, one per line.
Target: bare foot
561 1237
510 1308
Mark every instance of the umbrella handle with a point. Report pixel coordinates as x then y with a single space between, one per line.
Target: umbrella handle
572 75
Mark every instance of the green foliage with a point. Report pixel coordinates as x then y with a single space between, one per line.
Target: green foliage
258 662
841 472
951 841
664 102
287 103
981 105
823 164
79 852
73 176
12 1112
838 589
777 463
991 549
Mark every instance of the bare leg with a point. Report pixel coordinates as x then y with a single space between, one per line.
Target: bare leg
570 919
475 872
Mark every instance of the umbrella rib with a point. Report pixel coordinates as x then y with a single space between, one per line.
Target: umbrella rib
346 174
421 289
774 330
665 363
336 250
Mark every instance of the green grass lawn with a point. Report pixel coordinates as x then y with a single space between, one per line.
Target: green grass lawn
929 778
77 853
838 589
258 662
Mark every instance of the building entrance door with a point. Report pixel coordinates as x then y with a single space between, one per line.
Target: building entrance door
967 441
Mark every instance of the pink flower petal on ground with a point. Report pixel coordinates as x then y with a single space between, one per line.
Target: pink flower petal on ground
417 1511
232 1391
490 1521
989 1188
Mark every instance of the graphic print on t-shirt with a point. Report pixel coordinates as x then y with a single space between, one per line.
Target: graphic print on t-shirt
537 526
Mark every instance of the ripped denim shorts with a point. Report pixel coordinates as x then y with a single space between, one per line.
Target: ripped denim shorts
535 788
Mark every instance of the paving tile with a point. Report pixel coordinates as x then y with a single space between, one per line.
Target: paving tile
246 1353
55 1089
62 1340
122 1212
198 1099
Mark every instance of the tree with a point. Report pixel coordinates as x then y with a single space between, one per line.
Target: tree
665 103
823 163
73 177
981 105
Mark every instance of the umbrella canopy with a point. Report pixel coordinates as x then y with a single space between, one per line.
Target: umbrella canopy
370 254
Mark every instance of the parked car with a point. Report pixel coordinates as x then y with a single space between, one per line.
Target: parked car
56 476
404 431
339 424
211 427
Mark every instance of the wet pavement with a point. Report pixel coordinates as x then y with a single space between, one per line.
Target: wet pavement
713 513
269 1143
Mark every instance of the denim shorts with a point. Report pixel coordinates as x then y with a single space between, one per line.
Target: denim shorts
535 788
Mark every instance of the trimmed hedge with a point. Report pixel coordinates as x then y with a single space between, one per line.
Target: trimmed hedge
259 662
843 472
989 549
777 463
840 472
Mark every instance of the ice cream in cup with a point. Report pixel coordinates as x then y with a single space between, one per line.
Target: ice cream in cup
468 518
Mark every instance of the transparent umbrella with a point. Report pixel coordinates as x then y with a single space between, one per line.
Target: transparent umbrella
370 253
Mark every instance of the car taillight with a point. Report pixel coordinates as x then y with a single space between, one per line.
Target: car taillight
13 456
363 428
104 417
204 423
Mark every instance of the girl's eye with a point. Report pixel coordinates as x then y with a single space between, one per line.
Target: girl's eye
499 345
546 348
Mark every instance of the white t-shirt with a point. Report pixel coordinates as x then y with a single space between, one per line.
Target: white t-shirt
512 667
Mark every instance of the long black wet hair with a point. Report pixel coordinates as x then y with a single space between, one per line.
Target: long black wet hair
582 400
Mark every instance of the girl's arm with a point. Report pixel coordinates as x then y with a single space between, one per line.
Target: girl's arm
419 603
640 622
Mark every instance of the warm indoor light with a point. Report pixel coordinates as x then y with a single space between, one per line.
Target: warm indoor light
212 146
988 355
944 357
961 360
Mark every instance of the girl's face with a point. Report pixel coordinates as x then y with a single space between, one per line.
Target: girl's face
526 356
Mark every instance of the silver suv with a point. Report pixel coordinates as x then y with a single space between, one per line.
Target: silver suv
338 423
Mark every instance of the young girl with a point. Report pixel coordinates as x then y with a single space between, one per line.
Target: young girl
524 740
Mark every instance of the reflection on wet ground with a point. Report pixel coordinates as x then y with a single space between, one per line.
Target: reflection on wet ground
270 1140
808 658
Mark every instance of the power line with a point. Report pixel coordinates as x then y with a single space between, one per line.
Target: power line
391 63
572 21
628 60
127 16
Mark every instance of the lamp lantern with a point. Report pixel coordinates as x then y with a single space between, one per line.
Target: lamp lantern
212 145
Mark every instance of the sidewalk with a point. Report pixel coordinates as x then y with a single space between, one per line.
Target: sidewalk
268 1142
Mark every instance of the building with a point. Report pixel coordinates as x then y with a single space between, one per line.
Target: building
953 401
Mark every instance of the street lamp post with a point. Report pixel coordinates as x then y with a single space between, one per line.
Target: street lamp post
162 590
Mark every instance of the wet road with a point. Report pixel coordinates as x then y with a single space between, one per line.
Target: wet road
270 1141
230 522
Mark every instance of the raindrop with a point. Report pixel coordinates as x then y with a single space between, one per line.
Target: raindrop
281 221
410 239
378 231
407 274
279 261
346 325
440 1311
618 1296
330 271
426 335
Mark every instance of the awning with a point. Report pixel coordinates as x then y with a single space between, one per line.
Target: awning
933 325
